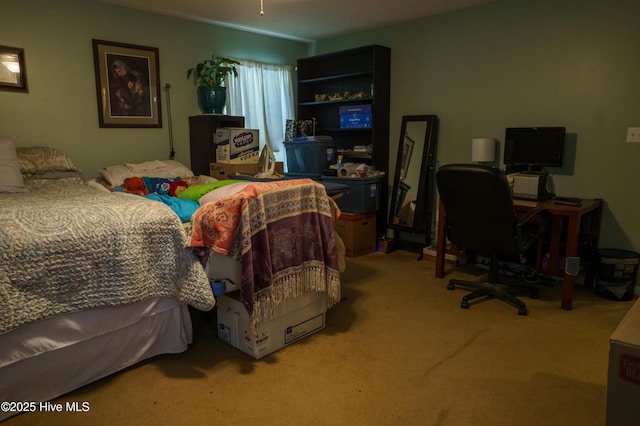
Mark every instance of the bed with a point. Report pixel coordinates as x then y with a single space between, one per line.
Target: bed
94 279
91 282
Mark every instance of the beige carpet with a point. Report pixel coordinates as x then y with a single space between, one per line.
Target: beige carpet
397 350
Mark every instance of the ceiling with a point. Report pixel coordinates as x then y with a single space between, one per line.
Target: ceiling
305 20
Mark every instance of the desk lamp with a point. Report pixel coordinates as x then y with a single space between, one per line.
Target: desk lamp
483 150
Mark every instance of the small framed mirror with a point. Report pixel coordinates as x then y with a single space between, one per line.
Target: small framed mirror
13 74
413 190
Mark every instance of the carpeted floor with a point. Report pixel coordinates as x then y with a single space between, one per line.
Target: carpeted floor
397 350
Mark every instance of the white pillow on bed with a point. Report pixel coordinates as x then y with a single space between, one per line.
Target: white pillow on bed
223 192
116 174
10 175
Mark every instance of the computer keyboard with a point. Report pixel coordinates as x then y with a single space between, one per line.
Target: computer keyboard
572 201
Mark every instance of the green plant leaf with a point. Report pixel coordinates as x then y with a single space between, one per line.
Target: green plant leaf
212 72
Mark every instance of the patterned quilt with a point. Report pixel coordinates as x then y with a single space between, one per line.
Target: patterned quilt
283 234
65 247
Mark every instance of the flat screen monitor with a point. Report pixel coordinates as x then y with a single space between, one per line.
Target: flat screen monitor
534 147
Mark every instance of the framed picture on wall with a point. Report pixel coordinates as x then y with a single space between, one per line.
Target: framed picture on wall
13 73
127 84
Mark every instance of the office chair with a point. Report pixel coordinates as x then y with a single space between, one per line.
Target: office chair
480 217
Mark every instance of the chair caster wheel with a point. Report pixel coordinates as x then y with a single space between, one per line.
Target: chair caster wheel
522 311
450 286
464 304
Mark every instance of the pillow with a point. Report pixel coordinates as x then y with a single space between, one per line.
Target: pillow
10 176
158 185
196 192
96 184
203 179
116 174
224 192
57 175
146 167
42 159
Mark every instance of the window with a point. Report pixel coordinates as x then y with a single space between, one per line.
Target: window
263 95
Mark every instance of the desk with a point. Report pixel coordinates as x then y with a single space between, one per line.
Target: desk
559 213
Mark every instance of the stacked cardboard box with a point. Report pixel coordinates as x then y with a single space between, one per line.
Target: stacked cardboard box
236 145
222 171
358 232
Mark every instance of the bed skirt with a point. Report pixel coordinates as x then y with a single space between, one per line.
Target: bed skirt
45 359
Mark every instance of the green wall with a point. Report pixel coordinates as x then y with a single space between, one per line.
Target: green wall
510 63
571 63
60 109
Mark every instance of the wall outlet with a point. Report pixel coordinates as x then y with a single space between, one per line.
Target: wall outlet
633 134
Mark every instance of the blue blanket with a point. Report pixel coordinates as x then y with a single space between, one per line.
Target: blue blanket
182 207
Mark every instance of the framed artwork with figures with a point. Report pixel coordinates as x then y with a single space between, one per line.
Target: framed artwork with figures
127 84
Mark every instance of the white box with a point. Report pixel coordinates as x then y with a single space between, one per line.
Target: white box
623 385
294 319
235 145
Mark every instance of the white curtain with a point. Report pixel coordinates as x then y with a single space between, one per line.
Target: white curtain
263 94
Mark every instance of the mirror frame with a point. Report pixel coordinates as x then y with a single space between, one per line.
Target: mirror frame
425 203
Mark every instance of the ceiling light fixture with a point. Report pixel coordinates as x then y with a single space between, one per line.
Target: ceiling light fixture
261 7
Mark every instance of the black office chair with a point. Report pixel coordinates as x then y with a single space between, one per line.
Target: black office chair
480 217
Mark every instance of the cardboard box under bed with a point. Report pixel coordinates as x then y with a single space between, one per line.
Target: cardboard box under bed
294 319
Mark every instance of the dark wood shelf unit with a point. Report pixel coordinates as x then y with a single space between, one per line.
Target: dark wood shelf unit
365 71
337 101
202 129
336 77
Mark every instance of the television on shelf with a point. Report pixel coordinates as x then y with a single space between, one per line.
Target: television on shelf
533 148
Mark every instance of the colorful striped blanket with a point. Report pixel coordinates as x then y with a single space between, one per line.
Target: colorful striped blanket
283 234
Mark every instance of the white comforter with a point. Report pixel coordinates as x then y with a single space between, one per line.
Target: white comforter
66 247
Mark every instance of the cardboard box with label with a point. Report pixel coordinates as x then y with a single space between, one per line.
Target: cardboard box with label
293 320
358 232
236 145
223 171
623 384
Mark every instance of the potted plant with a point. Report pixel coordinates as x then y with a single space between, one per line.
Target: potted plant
208 77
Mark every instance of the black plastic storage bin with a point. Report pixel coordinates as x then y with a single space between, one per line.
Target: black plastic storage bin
616 274
362 195
309 158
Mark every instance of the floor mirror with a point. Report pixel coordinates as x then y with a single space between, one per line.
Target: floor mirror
413 192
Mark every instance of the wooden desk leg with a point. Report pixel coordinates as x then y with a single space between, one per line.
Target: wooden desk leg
596 222
441 244
571 251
